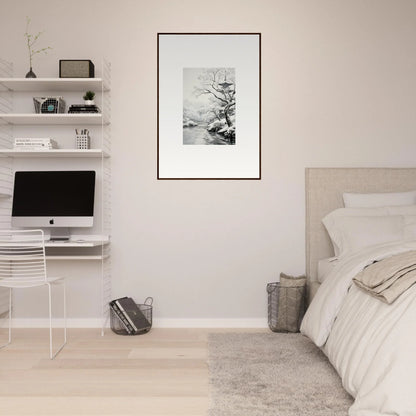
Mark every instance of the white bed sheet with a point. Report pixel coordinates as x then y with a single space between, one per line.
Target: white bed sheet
325 266
371 344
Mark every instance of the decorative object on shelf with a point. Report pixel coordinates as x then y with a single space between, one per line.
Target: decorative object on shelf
31 41
216 77
82 140
30 74
49 105
89 98
34 144
76 68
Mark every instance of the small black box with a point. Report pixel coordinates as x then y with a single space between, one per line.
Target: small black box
76 68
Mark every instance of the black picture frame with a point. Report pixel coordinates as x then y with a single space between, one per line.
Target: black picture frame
160 176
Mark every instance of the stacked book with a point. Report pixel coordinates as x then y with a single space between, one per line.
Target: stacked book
130 316
34 144
83 108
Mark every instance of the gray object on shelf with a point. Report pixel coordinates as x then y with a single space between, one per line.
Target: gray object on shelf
76 68
286 303
49 105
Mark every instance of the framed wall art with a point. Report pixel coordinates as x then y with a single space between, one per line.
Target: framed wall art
208 88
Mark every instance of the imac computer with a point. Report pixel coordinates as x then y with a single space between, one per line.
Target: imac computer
54 199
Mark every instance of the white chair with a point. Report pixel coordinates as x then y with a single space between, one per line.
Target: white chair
23 265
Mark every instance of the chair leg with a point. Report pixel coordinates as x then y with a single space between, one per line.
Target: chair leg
9 319
52 355
64 288
10 315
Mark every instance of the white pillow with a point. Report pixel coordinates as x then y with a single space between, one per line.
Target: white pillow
351 234
371 212
342 231
353 200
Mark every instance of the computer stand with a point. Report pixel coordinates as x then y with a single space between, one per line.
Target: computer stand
60 234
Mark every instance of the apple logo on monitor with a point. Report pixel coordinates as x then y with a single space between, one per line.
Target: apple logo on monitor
51 222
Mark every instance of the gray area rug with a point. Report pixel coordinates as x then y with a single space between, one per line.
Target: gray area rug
277 374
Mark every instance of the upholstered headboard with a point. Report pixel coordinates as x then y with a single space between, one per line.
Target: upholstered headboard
324 188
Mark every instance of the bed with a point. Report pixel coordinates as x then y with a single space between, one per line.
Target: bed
371 344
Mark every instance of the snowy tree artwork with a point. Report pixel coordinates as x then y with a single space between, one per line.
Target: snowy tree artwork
209 106
208 93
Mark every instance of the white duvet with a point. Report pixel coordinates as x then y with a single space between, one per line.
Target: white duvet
371 344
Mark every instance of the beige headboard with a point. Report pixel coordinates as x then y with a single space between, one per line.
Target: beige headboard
324 188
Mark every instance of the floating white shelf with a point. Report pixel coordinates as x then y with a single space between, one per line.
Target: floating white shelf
67 244
52 119
52 84
72 244
54 153
80 257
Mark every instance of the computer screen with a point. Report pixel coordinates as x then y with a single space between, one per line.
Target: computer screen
53 198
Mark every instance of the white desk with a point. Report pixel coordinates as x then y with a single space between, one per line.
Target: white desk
75 243
76 248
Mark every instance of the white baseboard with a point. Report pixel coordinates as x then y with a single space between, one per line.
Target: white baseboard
210 323
44 323
157 323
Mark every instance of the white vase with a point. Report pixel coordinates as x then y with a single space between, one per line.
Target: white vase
89 102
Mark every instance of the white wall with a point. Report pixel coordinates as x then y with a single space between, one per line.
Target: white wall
338 89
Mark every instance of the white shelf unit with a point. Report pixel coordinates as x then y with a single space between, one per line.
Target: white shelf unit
97 251
54 84
17 119
76 258
97 153
68 244
72 244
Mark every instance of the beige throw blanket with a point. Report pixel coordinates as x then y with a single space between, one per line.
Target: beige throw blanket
389 278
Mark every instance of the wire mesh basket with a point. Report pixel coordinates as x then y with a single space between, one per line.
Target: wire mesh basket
118 327
286 303
49 105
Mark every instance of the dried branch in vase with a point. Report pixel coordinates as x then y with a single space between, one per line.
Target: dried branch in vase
31 42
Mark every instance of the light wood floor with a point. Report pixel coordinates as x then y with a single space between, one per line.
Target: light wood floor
162 373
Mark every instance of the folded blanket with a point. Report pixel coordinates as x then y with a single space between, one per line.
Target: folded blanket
389 278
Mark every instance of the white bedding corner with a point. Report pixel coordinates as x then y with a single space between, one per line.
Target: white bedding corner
325 267
371 344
